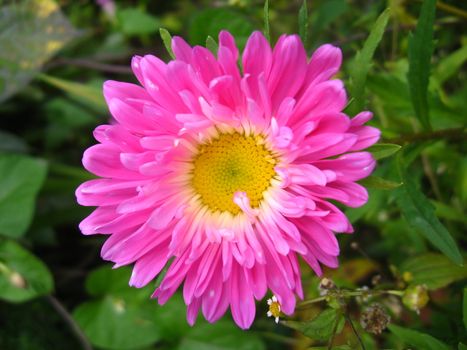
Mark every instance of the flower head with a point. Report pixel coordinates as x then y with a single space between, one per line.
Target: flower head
225 174
274 308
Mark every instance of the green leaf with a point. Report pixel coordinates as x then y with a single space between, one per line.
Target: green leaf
105 280
210 22
464 308
266 21
433 270
135 21
167 40
379 183
461 346
383 150
90 95
449 65
417 339
222 335
22 275
303 22
212 45
419 213
321 327
21 178
31 32
362 62
120 317
420 51
116 323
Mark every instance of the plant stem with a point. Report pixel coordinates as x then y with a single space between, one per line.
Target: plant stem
347 317
454 134
62 311
334 330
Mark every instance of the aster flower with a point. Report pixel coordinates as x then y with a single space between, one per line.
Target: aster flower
225 175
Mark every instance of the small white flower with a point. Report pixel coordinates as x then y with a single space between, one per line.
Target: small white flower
274 308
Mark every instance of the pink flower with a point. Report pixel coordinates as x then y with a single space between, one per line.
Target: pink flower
227 175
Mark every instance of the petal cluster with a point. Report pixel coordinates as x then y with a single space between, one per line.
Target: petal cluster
152 215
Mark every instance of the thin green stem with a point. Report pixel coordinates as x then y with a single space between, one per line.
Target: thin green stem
347 317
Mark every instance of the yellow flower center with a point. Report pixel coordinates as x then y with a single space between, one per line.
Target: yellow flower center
275 309
231 163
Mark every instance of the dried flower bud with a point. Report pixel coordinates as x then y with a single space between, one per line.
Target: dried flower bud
375 319
416 297
325 285
375 280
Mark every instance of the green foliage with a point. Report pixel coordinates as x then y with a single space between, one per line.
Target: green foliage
363 60
433 270
167 40
418 211
88 94
209 22
135 21
21 178
22 275
303 23
120 318
420 52
383 150
379 183
30 33
464 308
417 339
266 20
322 327
219 336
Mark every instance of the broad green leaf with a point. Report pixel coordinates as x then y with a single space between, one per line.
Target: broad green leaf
379 183
433 270
135 21
417 339
461 346
303 22
21 178
167 40
22 275
363 59
211 45
464 308
383 150
31 32
221 335
419 213
105 280
88 94
420 51
116 323
321 327
212 21
449 65
121 317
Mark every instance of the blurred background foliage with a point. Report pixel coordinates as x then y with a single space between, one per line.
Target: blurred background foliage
56 293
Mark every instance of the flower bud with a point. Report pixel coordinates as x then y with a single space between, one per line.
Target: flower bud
416 297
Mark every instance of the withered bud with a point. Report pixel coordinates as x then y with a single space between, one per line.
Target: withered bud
416 297
375 319
325 285
375 280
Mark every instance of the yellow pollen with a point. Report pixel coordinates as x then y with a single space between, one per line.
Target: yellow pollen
275 309
231 163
